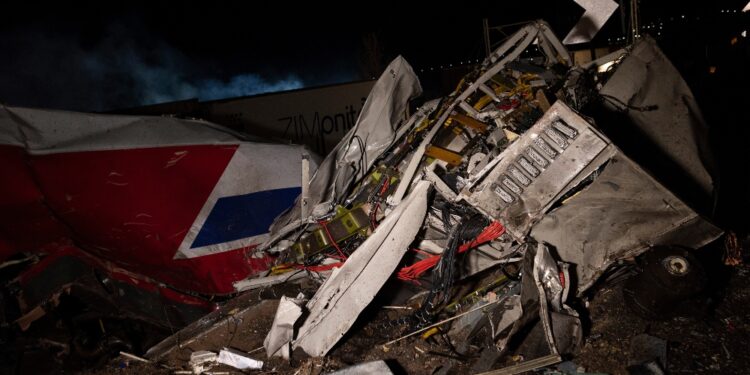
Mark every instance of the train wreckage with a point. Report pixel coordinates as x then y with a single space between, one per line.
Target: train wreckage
482 216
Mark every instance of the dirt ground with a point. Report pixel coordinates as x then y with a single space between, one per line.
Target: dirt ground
714 342
710 341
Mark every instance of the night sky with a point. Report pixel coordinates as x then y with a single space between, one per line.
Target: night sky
99 56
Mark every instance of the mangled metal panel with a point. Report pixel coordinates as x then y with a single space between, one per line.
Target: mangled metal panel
537 169
596 13
622 213
538 305
554 156
510 50
282 329
666 120
238 360
374 132
338 302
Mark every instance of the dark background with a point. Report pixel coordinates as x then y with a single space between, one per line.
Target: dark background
99 56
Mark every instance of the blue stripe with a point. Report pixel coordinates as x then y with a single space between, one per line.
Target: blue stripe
242 216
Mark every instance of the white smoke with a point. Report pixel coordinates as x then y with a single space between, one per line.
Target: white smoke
48 70
165 75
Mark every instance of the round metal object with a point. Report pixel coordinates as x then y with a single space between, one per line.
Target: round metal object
676 265
670 277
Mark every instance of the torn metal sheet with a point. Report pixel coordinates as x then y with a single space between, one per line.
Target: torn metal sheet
338 302
373 133
623 212
266 281
596 13
215 323
238 360
536 169
666 130
547 276
277 342
555 327
543 270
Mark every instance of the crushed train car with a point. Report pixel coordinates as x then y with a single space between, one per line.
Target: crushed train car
507 177
527 179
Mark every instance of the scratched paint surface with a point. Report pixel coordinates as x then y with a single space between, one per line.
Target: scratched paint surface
134 207
135 191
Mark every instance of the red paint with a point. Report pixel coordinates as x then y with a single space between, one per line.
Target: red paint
131 208
116 273
26 224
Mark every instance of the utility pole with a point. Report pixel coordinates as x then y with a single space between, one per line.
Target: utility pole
486 31
630 20
635 26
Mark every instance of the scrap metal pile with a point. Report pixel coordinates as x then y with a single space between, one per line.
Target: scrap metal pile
502 181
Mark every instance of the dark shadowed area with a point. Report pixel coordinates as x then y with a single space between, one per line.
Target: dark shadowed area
186 62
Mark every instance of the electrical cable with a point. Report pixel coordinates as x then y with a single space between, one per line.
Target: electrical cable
330 237
415 271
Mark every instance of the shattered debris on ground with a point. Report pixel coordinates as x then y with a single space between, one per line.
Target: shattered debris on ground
480 219
469 237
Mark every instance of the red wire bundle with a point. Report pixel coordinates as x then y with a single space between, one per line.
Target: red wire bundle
333 242
383 189
413 272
